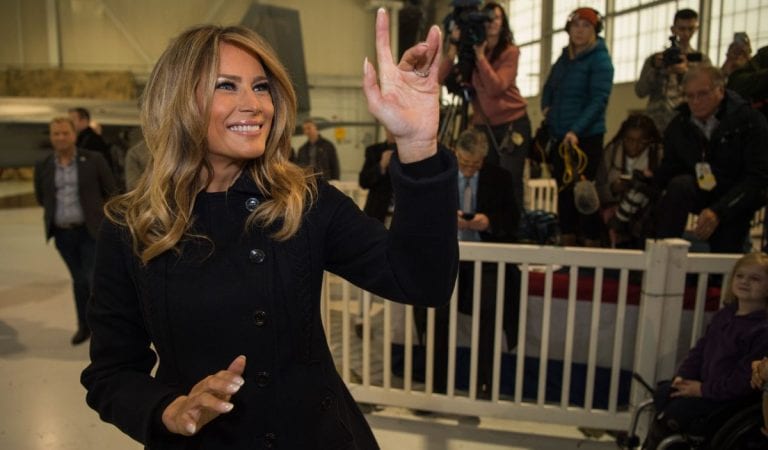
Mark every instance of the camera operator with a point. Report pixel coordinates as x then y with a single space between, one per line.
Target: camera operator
662 74
498 108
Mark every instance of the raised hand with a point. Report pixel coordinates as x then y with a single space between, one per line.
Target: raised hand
208 399
405 96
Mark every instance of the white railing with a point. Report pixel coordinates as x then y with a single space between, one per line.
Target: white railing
601 313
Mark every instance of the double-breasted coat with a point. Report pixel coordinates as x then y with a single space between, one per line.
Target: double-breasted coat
240 292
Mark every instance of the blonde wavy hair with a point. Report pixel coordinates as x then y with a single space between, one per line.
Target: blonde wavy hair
158 212
750 259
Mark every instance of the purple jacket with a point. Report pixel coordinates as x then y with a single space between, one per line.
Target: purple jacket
722 358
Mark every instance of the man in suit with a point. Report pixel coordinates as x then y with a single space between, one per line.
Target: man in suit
488 214
318 153
72 185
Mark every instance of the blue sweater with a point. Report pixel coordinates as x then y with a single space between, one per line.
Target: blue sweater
577 91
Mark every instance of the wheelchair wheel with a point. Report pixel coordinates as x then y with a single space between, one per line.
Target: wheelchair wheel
741 432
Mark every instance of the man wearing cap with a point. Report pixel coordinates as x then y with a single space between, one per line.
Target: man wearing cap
662 82
714 164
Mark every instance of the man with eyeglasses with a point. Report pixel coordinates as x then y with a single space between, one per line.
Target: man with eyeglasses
488 214
715 164
662 73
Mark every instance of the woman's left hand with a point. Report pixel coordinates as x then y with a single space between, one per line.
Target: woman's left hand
405 97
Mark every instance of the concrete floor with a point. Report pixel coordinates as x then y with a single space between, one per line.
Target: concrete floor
42 403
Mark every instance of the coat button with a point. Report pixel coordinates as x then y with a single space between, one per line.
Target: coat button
260 318
251 203
262 379
257 256
269 440
326 403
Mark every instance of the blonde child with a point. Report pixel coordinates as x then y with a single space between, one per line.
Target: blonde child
718 368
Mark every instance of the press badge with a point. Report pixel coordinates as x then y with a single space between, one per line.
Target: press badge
705 177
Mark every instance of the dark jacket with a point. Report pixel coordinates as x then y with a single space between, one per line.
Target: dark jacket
326 162
736 152
244 293
722 358
95 185
378 184
576 92
496 200
90 140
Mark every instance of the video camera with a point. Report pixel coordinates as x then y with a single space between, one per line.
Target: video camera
471 20
674 54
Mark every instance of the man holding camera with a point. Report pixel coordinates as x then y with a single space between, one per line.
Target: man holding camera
662 74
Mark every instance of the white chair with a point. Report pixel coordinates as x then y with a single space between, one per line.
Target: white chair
541 194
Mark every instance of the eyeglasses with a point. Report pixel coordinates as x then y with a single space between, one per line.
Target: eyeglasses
468 163
698 95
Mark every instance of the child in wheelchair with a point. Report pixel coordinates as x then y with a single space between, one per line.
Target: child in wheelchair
718 369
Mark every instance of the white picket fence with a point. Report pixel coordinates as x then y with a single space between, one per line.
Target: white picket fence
644 328
654 335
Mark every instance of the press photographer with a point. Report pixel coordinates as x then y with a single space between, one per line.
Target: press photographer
662 74
674 56
482 55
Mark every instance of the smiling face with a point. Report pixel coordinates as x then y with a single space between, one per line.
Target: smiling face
750 286
241 109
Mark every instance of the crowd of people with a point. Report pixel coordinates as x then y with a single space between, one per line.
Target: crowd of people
219 209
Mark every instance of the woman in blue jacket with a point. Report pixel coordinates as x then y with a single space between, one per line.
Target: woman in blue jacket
573 102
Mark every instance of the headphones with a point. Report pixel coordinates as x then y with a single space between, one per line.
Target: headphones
575 15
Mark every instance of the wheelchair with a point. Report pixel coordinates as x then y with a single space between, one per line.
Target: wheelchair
736 426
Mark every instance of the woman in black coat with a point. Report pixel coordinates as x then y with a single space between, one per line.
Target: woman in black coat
213 264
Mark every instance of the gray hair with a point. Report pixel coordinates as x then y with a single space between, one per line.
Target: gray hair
472 141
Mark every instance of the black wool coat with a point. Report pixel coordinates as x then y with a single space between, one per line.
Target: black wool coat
241 292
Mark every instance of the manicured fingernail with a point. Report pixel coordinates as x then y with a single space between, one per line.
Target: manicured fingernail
365 65
191 428
381 10
227 406
239 381
232 388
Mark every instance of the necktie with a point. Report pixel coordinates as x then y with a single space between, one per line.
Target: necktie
467 205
